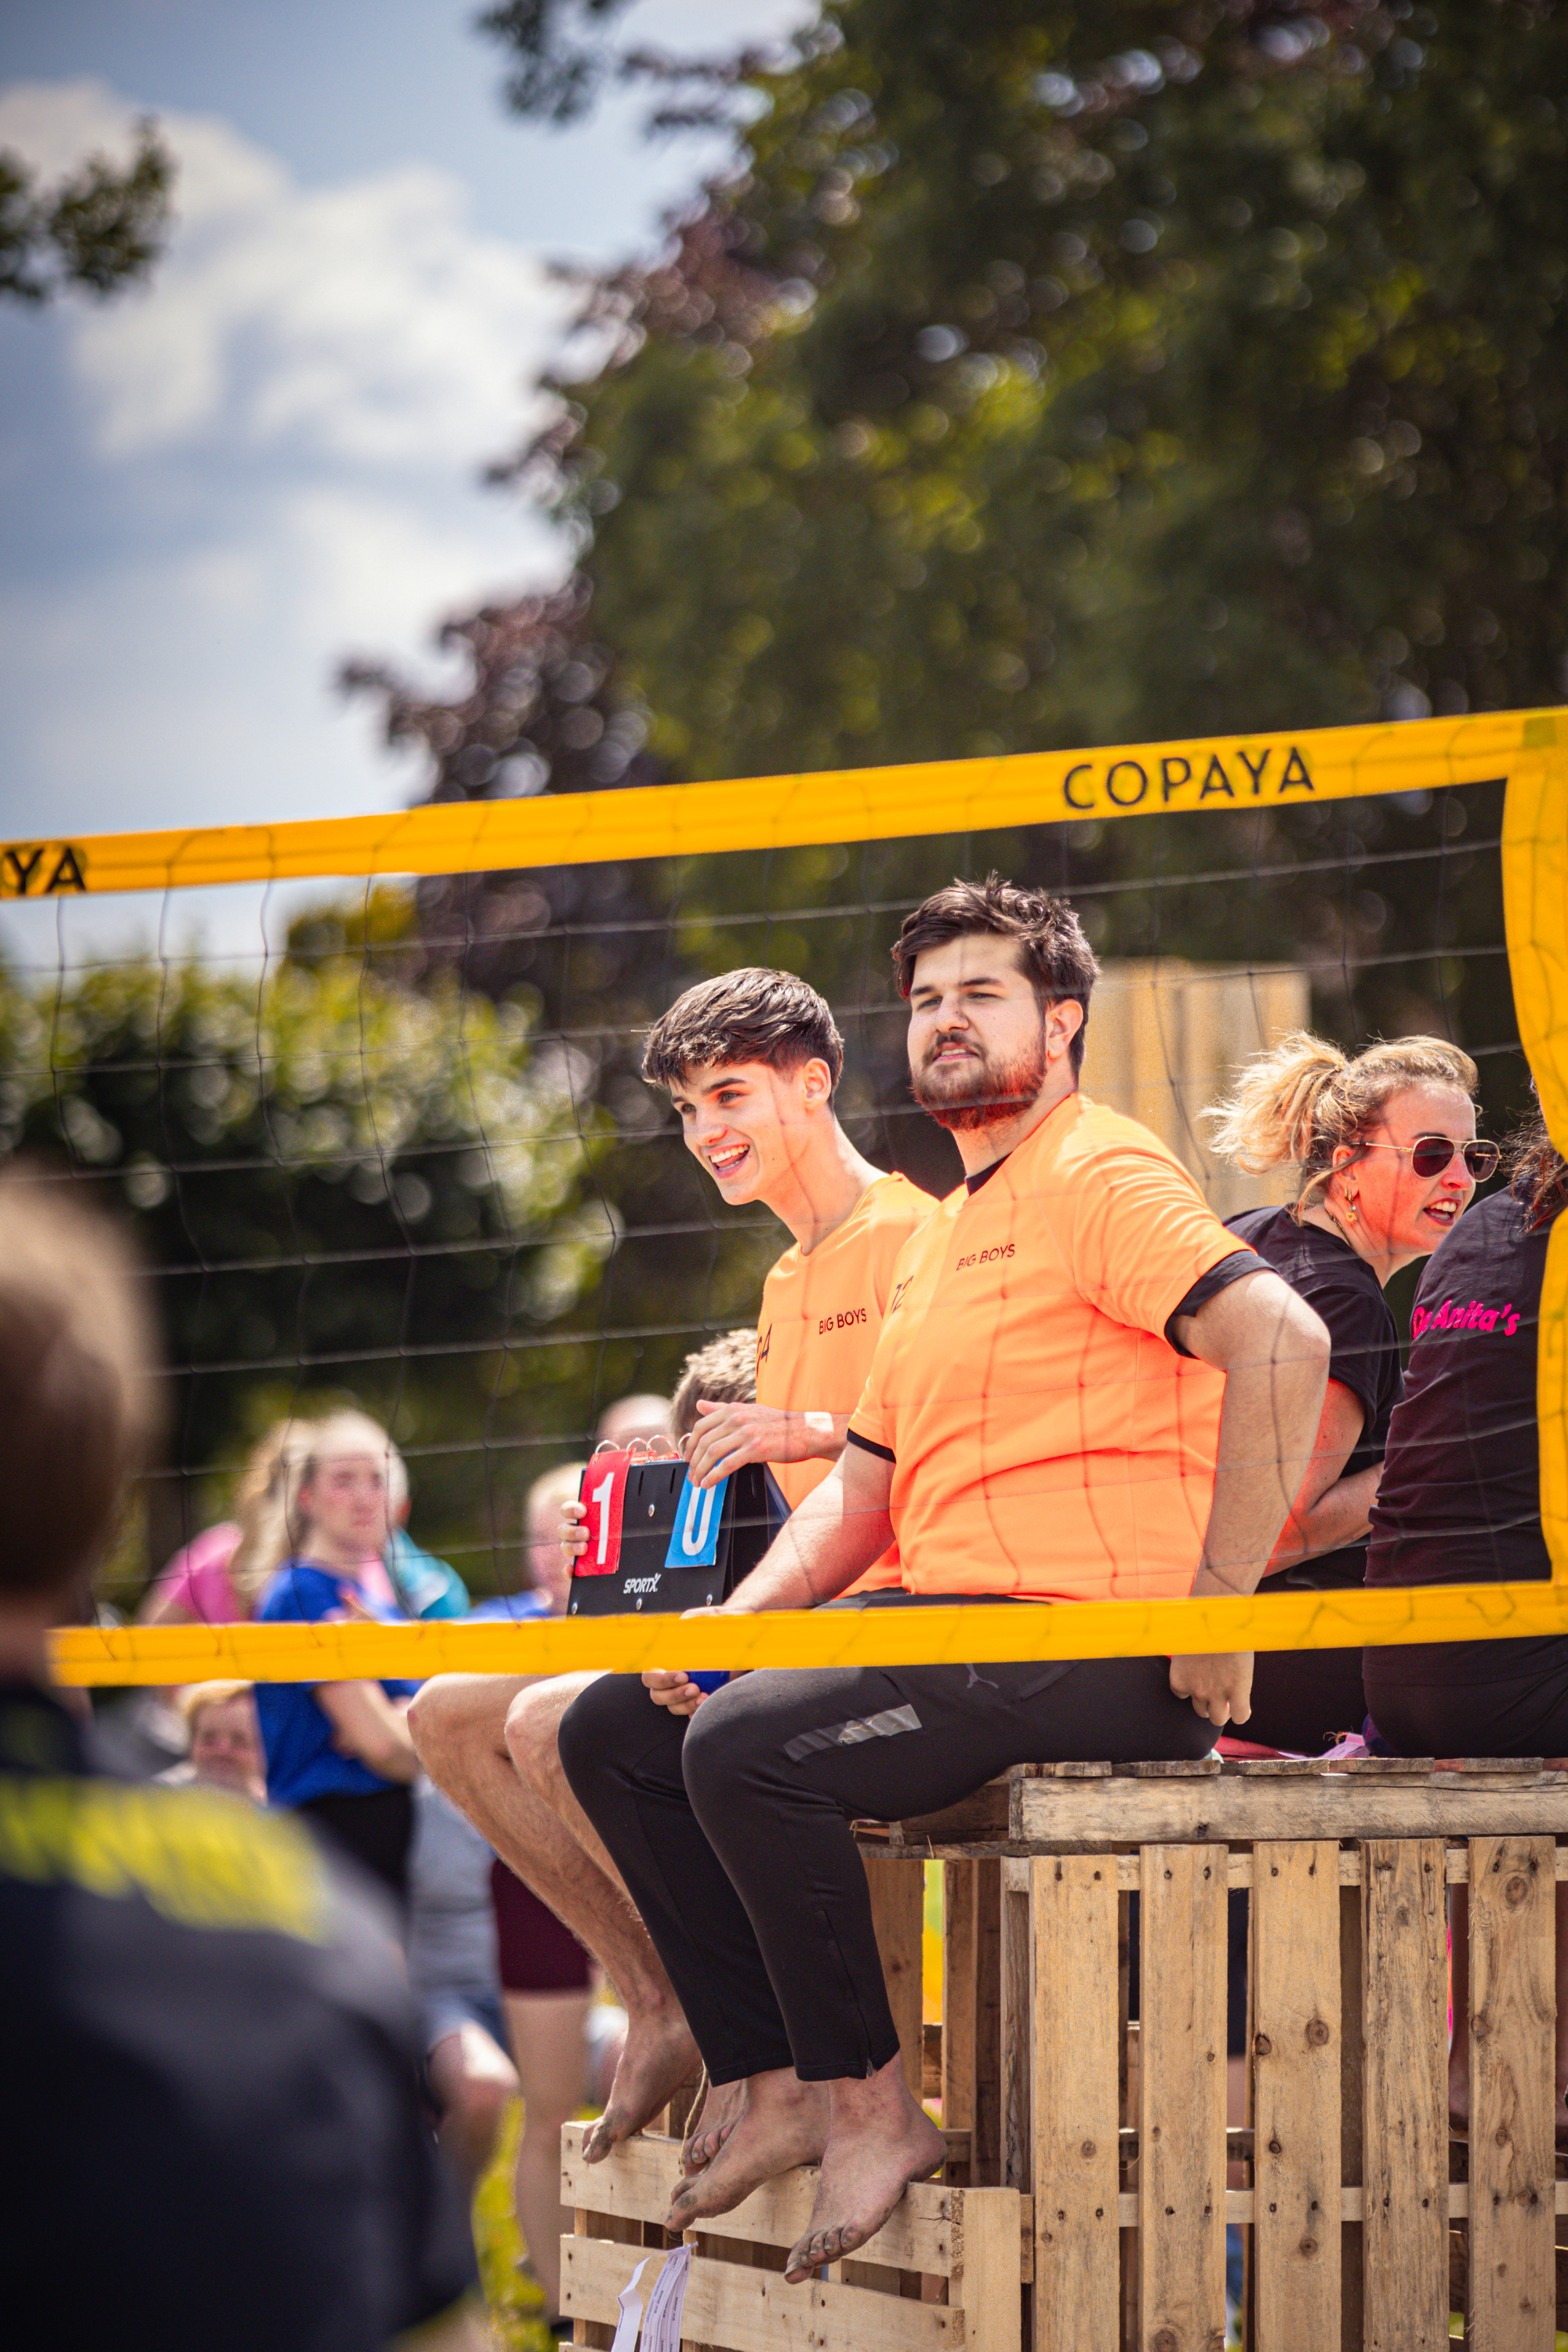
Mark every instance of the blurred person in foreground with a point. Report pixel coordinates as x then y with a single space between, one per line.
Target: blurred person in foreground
224 1741
338 1753
214 2124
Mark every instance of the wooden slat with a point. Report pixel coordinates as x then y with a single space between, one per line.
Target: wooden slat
1149 1811
1514 2008
1351 2102
898 1912
1076 2031
635 2183
971 2013
745 2310
1181 2192
1405 2144
1018 2007
984 2283
1296 2055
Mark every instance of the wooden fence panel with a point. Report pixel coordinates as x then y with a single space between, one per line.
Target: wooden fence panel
1077 2027
1405 2145
1182 2144
1513 2012
1296 2094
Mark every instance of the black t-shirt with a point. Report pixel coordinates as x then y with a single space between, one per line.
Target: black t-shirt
1459 1501
214 2125
1324 1270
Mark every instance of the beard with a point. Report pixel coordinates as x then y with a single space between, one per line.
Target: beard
980 1093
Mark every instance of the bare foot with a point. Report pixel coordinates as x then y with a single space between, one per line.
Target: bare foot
783 2123
722 2106
659 2056
880 2142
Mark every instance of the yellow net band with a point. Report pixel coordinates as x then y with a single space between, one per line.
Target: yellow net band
830 1637
1228 772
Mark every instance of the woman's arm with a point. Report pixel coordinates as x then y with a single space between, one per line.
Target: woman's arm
366 1723
1329 1509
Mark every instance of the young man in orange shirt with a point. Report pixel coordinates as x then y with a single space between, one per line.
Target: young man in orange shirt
750 1061
1084 1388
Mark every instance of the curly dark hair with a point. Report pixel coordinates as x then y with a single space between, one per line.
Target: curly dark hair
751 1014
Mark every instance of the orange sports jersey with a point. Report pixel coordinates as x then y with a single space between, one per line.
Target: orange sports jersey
820 1323
1048 1439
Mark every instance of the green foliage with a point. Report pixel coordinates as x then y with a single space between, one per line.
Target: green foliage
342 1186
100 230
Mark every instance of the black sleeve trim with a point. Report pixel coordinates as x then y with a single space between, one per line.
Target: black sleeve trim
1209 1286
870 1445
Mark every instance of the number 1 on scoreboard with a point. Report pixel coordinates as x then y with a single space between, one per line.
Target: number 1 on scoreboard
604 1493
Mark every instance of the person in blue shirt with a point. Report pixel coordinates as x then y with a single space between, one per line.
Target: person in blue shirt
338 1753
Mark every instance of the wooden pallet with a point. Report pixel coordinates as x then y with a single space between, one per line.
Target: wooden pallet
1361 2214
946 2274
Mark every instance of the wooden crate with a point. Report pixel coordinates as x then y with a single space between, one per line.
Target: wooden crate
1362 2215
945 2275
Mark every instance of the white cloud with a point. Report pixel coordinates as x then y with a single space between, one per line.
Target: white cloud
367 323
274 463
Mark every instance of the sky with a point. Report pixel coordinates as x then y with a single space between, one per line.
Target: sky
216 487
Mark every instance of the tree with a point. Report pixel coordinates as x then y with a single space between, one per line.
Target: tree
340 1186
1043 375
100 230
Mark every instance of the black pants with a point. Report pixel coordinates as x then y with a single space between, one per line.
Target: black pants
1471 1698
376 1829
731 1829
1304 1699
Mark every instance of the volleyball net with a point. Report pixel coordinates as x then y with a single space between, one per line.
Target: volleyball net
397 1154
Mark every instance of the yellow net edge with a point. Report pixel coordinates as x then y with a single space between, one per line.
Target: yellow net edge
1527 750
99 1657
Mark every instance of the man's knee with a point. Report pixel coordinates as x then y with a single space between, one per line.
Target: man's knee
588 1732
532 1730
715 1738
450 1711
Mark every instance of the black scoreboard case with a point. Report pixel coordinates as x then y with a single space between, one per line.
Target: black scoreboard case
642 1578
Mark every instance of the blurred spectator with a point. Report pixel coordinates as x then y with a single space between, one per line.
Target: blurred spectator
452 1967
215 2127
224 1739
631 1417
217 1577
338 1752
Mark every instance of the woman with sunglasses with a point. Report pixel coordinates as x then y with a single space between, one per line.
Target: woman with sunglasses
1384 1144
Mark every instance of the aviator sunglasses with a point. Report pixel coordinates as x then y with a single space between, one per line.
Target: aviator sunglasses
1430 1154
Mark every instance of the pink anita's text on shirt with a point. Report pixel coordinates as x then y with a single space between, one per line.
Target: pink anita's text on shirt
1473 1315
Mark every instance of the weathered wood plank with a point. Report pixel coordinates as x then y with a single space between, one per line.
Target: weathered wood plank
898 1912
1076 2031
1511 2304
1295 2054
1136 1813
1180 2190
971 2013
1018 2004
1405 2142
634 2184
983 2282
746 2310
1351 2101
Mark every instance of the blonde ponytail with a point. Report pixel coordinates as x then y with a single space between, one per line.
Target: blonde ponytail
1296 1106
260 1504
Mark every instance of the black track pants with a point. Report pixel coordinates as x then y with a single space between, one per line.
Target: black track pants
732 1829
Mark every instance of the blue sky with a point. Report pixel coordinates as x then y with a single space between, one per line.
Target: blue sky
215 487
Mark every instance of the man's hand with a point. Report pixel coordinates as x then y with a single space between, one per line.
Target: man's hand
677 1692
573 1531
727 1436
1219 1682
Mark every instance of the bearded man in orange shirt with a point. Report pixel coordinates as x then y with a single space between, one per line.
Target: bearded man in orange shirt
1083 1389
750 1060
